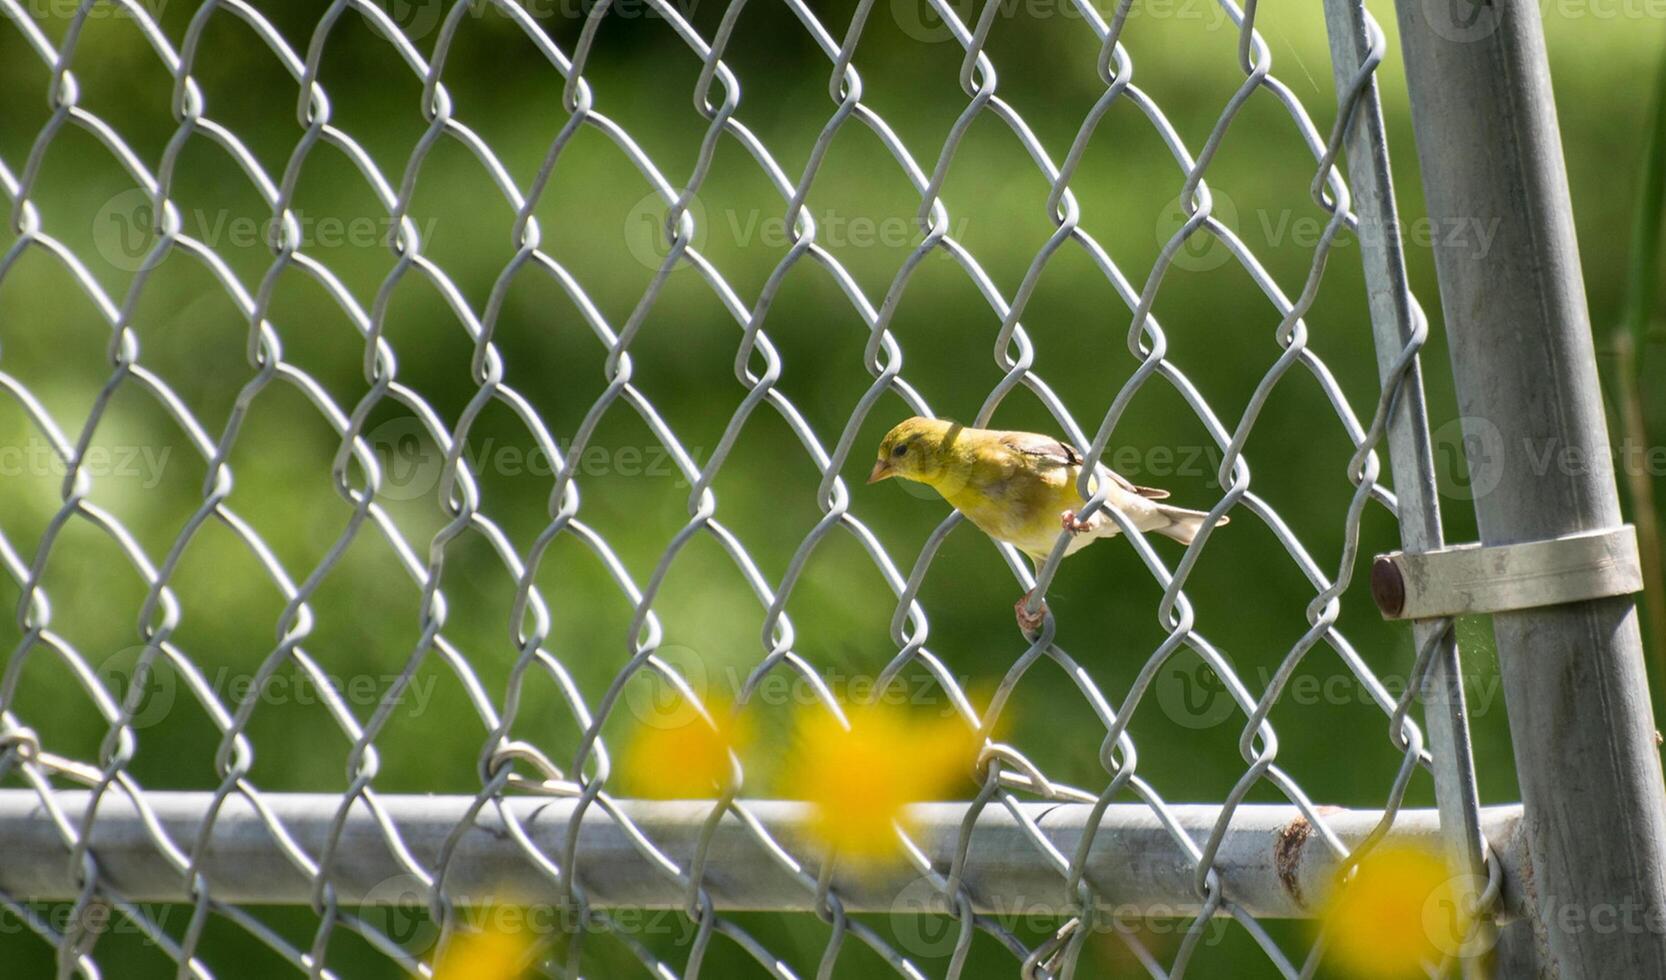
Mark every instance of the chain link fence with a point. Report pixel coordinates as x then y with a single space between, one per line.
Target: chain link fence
407 485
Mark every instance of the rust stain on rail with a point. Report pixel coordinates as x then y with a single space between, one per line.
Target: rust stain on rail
1287 856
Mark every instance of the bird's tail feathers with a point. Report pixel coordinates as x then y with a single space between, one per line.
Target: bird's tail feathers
1183 524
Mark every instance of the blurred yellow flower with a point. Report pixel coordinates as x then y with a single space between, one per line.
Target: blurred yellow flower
493 953
1403 908
860 781
685 757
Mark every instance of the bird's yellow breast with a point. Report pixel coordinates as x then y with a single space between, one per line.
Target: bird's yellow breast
1016 501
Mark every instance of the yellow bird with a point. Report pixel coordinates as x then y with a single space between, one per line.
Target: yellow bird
1020 487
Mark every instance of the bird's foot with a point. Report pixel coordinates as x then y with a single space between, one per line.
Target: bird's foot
1068 521
1027 621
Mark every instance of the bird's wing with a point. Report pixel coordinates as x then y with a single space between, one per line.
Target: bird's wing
1062 453
1043 448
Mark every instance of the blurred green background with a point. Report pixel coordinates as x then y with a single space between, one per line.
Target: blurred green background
600 222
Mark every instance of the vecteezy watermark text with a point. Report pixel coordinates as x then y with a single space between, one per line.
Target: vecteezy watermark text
417 19
922 926
655 701
649 240
1202 250
397 908
125 230
923 20
412 464
36 457
67 9
1473 455
160 687
1194 695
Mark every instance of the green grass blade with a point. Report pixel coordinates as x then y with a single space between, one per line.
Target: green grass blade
1649 221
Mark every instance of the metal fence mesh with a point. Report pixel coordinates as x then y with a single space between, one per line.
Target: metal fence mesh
511 765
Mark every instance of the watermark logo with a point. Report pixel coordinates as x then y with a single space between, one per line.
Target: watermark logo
1192 694
124 230
919 921
647 236
654 701
1452 920
1468 457
409 459
1202 250
155 700
397 908
923 20
1463 21
416 19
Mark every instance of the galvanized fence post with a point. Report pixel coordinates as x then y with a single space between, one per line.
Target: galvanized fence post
1399 327
1540 466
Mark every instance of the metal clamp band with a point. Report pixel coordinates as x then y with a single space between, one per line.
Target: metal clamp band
1468 579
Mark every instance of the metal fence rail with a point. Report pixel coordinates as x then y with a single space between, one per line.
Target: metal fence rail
1130 846
97 816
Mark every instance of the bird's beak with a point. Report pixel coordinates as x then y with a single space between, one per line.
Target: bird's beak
881 471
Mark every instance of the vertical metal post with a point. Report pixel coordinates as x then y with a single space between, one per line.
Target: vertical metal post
1396 323
1525 368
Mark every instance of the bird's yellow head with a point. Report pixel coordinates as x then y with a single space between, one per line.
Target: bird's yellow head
919 449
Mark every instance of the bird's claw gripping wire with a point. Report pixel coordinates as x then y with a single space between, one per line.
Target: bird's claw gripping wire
1029 622
1068 521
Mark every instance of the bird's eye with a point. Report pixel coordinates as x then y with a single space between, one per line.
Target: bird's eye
901 450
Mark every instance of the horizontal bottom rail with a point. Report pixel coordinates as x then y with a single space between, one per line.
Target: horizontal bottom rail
1270 862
